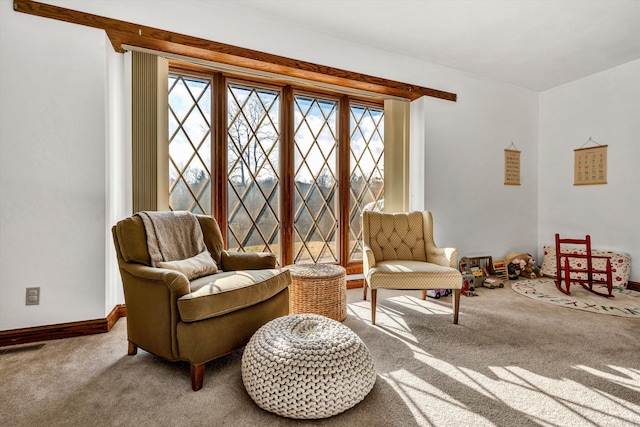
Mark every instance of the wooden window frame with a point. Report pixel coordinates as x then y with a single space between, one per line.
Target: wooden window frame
221 80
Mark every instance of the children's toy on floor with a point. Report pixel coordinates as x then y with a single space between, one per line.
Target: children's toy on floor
500 269
522 265
437 293
468 285
480 272
492 283
469 280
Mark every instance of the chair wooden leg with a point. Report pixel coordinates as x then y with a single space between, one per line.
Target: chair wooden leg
197 376
424 294
364 286
567 277
374 294
456 305
609 278
133 349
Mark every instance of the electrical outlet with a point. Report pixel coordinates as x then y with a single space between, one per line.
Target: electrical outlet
33 296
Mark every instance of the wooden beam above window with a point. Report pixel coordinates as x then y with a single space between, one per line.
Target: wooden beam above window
123 33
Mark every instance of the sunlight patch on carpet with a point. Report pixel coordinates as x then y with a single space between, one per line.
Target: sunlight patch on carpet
414 391
544 400
630 378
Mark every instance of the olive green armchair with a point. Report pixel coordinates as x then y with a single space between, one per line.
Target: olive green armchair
200 306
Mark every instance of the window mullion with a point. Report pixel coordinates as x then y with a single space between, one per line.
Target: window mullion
286 176
344 137
219 153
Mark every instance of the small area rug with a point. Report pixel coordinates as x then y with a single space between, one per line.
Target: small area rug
625 303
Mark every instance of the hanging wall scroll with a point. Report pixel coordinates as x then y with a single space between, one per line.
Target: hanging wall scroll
511 166
590 165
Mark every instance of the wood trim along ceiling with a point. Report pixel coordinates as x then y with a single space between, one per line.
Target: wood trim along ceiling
126 34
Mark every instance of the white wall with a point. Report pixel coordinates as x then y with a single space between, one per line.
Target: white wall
464 165
605 107
117 163
52 170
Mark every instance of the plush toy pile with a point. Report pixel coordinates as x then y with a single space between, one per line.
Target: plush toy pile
522 265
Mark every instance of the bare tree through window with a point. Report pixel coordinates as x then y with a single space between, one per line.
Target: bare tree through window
253 168
316 187
367 170
190 144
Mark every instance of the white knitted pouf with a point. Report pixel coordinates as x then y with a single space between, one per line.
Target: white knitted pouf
307 366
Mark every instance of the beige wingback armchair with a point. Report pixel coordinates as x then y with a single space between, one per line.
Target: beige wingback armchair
399 253
184 310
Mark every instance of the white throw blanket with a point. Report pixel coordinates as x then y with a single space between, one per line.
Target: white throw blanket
172 236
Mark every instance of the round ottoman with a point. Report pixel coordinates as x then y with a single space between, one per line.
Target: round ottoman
307 366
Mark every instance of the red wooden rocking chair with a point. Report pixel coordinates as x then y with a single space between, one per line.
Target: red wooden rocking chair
580 270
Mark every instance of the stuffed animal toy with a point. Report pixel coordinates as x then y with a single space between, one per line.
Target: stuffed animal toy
522 265
515 268
532 270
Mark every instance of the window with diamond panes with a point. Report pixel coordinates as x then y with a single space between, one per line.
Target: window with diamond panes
366 183
253 170
315 204
189 144
250 153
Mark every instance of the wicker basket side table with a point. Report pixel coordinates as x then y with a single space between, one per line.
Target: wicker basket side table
318 289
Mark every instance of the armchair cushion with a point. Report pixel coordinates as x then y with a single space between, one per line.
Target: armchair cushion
222 293
212 236
405 274
194 267
399 236
132 241
247 260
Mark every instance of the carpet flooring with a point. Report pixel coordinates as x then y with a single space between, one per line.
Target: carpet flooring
511 361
